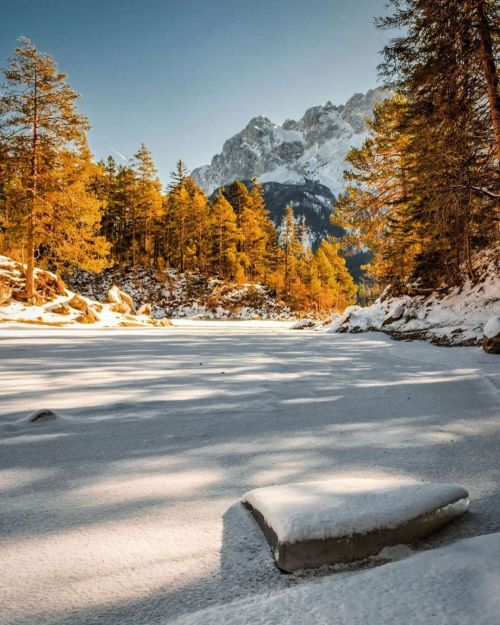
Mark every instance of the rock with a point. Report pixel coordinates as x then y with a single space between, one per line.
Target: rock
116 296
302 324
5 293
42 416
145 309
491 336
126 299
120 307
59 309
88 316
164 322
395 313
78 302
311 524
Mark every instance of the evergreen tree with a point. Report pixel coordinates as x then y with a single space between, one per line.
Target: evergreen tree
224 235
291 250
444 66
44 135
149 204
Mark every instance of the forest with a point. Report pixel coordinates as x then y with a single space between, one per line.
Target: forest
422 193
61 210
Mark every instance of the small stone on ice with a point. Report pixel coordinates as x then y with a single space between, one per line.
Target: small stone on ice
42 416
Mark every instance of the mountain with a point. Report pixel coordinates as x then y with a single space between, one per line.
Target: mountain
299 162
310 149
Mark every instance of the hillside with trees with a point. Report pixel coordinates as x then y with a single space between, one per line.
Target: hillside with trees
423 192
65 212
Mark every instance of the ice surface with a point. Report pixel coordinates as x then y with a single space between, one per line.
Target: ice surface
455 585
343 507
126 511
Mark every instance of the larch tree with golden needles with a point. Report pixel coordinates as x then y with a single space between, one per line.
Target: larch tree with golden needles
148 200
44 136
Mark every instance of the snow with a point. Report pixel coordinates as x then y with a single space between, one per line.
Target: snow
18 312
125 510
456 317
343 507
492 327
454 585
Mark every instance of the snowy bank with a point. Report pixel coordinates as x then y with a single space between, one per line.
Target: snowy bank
453 317
457 585
57 306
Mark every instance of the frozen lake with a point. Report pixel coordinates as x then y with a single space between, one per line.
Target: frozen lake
125 510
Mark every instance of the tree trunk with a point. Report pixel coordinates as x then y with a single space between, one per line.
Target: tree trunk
490 71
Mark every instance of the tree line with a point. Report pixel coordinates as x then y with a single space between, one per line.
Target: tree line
423 191
62 210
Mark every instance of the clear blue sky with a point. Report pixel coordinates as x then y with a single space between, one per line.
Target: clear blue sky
184 75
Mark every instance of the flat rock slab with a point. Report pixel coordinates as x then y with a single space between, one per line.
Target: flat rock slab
311 524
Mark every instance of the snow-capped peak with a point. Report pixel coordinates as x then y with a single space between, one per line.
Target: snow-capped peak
312 148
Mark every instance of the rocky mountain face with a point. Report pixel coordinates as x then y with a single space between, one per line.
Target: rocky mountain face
310 149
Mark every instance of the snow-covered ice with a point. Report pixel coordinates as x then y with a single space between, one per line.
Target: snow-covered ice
455 585
343 507
126 509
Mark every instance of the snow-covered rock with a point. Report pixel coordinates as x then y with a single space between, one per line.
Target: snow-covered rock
491 335
5 293
57 305
121 299
492 327
342 520
43 415
302 324
454 585
395 312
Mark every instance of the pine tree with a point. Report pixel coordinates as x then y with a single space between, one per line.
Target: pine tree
444 66
42 131
149 204
224 236
291 250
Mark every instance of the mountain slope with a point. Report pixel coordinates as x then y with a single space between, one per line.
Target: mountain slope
310 149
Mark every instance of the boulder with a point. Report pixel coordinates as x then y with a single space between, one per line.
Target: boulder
312 524
78 302
145 309
395 313
120 307
126 299
5 293
59 309
491 336
88 316
116 296
41 416
164 322
302 324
